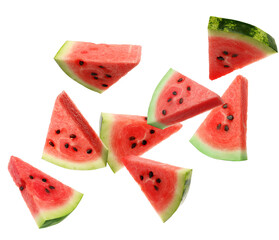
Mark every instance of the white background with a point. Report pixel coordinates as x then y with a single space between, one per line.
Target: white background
227 200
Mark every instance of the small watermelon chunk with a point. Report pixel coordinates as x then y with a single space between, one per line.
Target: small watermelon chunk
130 135
165 186
177 98
97 66
222 135
71 142
48 200
234 44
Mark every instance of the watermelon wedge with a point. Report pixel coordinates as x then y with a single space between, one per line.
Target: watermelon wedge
222 135
97 66
48 200
71 142
130 135
234 44
177 98
165 186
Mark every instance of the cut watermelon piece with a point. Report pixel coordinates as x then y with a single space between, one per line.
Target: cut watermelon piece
48 200
130 135
71 142
97 66
234 44
177 98
165 186
222 135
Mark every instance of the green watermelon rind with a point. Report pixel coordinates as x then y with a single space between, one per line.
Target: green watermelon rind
235 155
51 217
89 165
64 50
248 33
184 176
106 122
151 117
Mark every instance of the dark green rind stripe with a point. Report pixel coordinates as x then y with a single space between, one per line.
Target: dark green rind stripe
233 26
54 221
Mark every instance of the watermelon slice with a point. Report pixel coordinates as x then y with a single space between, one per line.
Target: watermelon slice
234 44
164 185
48 200
97 66
130 135
222 135
177 98
71 142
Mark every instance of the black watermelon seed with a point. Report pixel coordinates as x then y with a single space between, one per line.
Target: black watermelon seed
75 149
220 58
226 128
189 88
94 74
133 145
145 118
219 126
174 93
51 187
226 66
144 142
81 63
96 78
169 99
107 75
51 143
234 55
225 105
31 177
44 180
158 180
230 117
180 80
104 85
156 188
73 136
101 67
21 188
57 131
150 174
89 151
141 177
180 100
66 145
47 191
164 112
152 131
225 52
132 138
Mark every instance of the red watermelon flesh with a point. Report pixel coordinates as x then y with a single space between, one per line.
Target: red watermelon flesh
48 200
97 66
177 98
222 135
227 55
71 142
164 185
130 135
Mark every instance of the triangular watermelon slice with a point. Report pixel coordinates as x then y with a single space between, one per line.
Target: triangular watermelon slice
130 135
222 135
48 200
97 66
234 44
71 142
164 185
177 98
